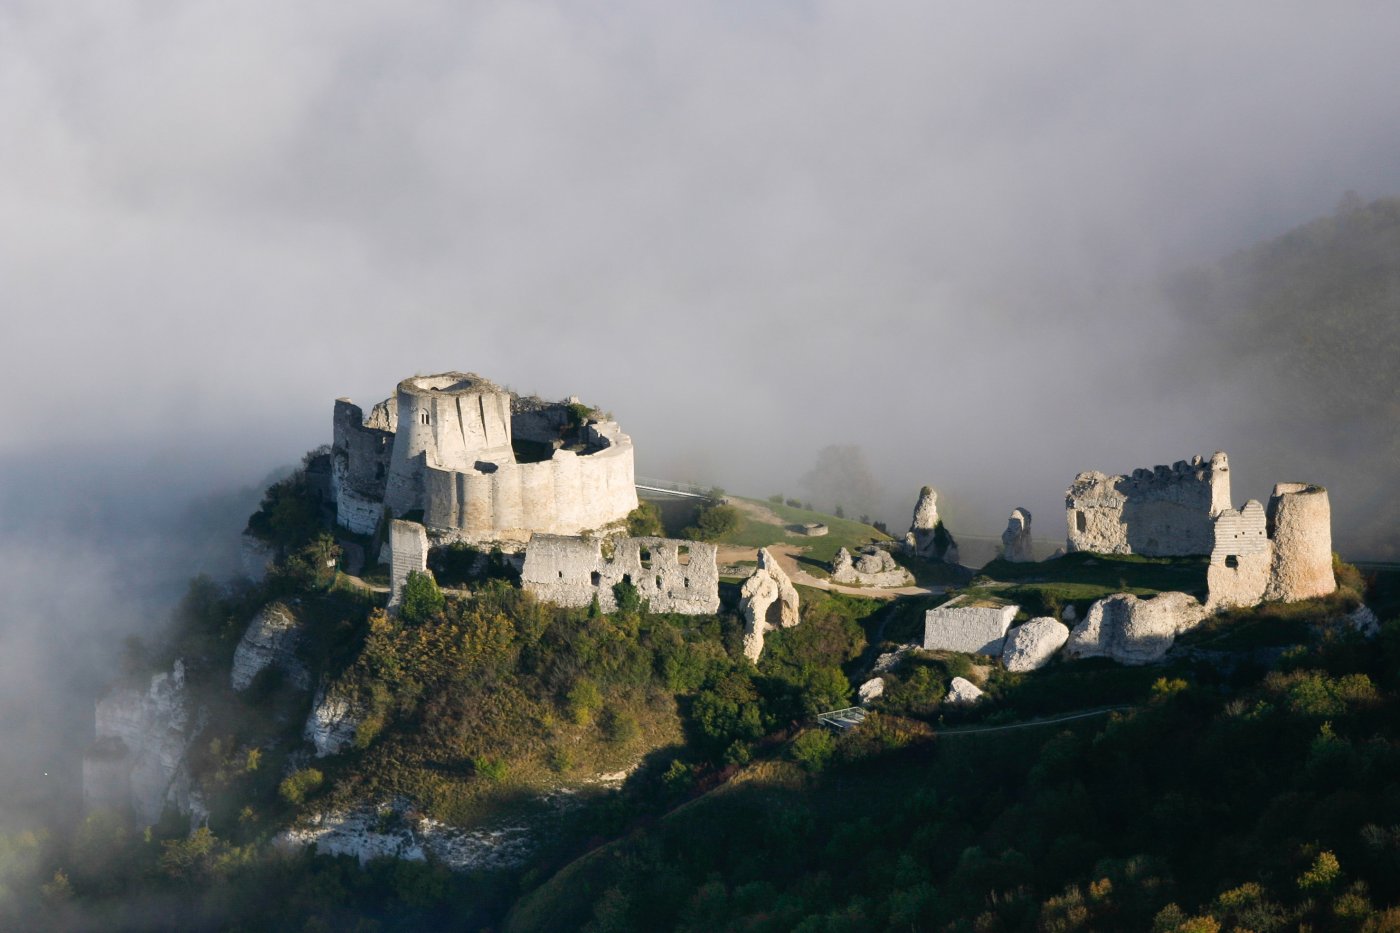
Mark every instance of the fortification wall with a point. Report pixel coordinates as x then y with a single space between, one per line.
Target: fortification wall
1162 512
408 553
1300 525
1241 560
565 495
359 465
673 576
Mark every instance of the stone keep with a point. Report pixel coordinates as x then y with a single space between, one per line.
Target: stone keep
969 629
1016 539
673 576
1162 512
1242 558
482 464
408 553
1300 525
767 601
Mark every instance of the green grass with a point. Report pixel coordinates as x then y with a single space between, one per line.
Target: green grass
1123 573
842 533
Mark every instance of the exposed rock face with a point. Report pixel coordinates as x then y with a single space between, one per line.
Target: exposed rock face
1134 631
1016 539
1030 647
138 759
333 721
871 689
963 692
1241 561
408 553
891 659
270 640
926 538
1165 511
969 629
1363 620
1300 525
671 575
767 601
873 566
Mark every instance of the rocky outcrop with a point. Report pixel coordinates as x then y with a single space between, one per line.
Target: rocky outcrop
270 640
1030 647
927 538
138 758
1364 621
333 721
1134 631
1016 539
871 690
873 566
971 629
767 601
963 692
1300 526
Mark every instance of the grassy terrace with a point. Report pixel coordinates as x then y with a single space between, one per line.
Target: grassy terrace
754 532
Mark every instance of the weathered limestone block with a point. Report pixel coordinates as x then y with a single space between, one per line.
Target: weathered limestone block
334 718
1016 539
1300 526
1241 560
408 553
138 759
963 692
873 566
1030 647
270 640
1134 631
971 629
871 690
767 601
926 537
1069 614
671 575
1162 512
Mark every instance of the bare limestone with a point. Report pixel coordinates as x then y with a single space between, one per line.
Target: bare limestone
671 575
963 692
408 553
1241 560
871 690
925 537
767 601
1134 631
270 640
1016 539
1300 525
872 567
1030 647
446 445
1162 512
971 629
335 715
1364 620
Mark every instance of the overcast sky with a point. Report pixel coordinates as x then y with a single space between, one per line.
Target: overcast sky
749 230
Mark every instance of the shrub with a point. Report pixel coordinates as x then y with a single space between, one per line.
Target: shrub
492 769
1324 872
584 700
298 784
421 599
712 522
645 521
814 748
620 728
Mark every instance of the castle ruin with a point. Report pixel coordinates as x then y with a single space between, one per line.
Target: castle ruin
479 463
672 576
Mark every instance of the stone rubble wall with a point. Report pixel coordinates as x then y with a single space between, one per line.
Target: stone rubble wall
408 553
968 629
673 576
1300 525
872 567
1241 540
1162 512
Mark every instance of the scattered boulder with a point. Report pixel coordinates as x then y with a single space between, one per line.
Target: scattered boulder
971 629
872 567
927 538
1016 539
1069 614
270 640
890 659
767 601
1030 647
1134 631
872 688
963 692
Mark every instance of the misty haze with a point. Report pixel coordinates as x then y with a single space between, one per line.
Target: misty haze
739 405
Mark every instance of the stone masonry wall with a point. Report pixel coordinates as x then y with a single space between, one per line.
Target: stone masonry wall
1165 511
408 553
1241 558
673 576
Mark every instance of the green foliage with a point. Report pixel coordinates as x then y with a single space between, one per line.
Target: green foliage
580 414
645 521
726 714
290 513
298 784
713 521
1323 873
584 701
627 597
421 599
492 769
814 748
